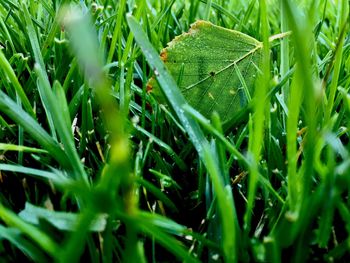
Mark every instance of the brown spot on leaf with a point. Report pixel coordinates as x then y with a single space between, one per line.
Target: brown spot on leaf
164 55
149 87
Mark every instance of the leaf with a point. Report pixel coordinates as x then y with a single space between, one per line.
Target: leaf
215 68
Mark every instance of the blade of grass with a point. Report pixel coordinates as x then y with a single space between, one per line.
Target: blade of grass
38 236
38 59
338 56
157 193
210 128
8 35
28 248
309 91
62 127
56 178
226 209
182 165
256 140
6 67
224 11
20 148
284 68
207 10
117 31
295 100
11 109
153 225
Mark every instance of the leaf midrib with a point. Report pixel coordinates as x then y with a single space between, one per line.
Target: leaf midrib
259 46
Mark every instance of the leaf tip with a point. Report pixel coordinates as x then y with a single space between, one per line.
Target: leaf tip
200 23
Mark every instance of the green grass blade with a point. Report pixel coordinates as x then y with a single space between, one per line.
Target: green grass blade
28 248
210 128
117 31
56 178
20 148
182 165
224 11
338 56
38 59
6 67
207 10
309 91
158 194
295 100
17 114
226 209
256 140
38 236
284 52
62 126
159 228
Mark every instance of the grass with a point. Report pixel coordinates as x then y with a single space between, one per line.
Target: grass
93 167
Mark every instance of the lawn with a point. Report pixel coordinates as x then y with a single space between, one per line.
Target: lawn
174 131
